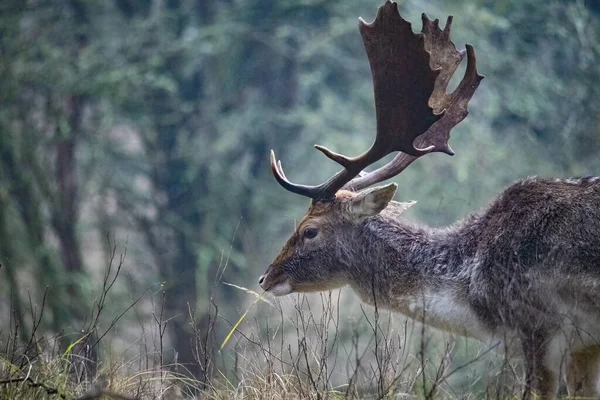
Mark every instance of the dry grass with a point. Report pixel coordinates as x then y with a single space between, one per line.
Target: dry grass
320 346
286 352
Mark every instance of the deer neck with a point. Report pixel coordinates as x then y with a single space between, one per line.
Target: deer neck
417 271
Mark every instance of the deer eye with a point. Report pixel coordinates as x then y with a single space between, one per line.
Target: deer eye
310 233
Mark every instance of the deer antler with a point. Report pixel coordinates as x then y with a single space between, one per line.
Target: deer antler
410 76
448 58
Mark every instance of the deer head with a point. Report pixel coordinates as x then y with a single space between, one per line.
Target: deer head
414 117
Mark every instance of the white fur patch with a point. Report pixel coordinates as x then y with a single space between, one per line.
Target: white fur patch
281 289
441 310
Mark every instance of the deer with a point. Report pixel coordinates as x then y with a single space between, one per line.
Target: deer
523 272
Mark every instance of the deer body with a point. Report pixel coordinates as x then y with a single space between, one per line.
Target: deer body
524 272
498 273
523 275
496 269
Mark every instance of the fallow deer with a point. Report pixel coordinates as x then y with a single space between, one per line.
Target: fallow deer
525 268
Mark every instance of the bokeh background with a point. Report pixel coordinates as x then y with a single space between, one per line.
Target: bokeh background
146 125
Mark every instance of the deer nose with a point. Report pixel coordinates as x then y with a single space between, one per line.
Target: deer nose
261 279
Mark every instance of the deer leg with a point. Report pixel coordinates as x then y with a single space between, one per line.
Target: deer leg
541 376
583 372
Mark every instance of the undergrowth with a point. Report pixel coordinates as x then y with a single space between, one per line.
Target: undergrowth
319 346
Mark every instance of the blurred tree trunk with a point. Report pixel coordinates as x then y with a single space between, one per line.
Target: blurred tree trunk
176 254
65 213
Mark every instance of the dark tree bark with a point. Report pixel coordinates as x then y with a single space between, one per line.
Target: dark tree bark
65 215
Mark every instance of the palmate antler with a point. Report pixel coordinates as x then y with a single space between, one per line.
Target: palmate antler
414 113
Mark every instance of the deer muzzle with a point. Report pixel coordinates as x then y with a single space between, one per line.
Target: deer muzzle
275 281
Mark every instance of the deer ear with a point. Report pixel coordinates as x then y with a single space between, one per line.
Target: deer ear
370 202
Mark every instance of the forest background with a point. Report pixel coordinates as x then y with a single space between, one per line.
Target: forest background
145 126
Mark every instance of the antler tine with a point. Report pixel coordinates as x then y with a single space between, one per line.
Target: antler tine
410 75
398 164
338 158
389 170
456 106
323 191
282 179
320 192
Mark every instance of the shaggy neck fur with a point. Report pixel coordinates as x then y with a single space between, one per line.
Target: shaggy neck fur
418 271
